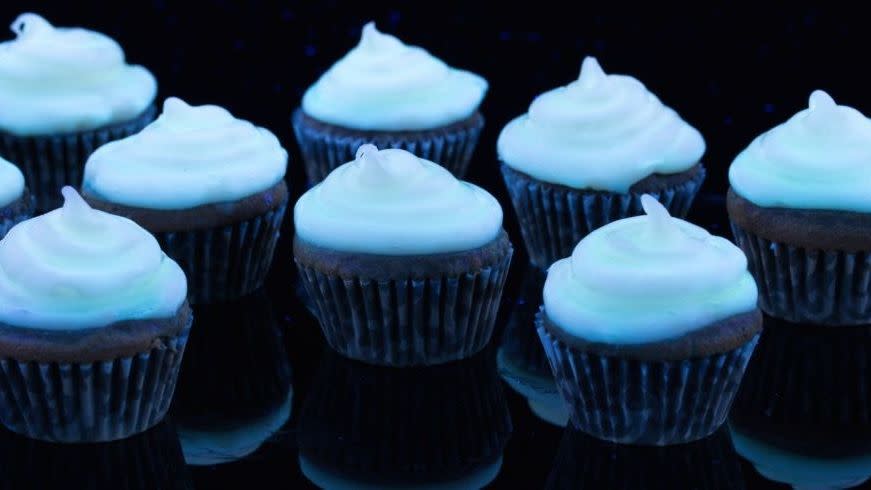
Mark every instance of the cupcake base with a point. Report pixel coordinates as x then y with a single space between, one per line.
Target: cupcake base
554 218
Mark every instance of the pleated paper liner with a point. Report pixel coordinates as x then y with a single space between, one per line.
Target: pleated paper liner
148 461
411 321
646 402
584 462
414 426
554 218
53 161
228 262
16 212
809 379
90 402
323 150
827 287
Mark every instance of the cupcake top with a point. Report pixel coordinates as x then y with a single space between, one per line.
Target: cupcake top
75 268
601 132
190 156
818 159
385 85
647 278
11 183
62 80
391 202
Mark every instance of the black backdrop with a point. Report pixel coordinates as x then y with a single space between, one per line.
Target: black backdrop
730 73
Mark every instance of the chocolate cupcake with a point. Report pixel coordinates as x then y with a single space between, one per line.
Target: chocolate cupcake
648 327
801 211
377 427
394 96
404 263
16 203
64 92
585 153
93 324
209 186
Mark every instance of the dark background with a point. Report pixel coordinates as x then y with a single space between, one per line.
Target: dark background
730 73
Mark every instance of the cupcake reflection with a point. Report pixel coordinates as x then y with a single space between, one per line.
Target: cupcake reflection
235 391
375 427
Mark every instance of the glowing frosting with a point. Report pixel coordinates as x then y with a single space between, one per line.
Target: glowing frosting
58 80
393 203
818 159
602 132
647 278
11 183
188 157
383 84
76 267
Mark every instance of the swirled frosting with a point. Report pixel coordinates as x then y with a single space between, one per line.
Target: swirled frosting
818 159
383 84
76 267
60 80
647 278
391 202
11 183
601 132
189 156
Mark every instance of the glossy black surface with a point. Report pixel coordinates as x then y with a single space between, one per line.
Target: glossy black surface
258 386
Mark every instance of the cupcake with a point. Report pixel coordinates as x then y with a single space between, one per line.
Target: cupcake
16 204
648 327
585 153
209 186
63 93
394 96
93 324
801 211
404 263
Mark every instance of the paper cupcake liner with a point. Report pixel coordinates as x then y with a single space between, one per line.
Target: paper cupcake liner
51 162
826 287
90 402
228 262
410 426
11 216
646 402
811 380
147 461
410 321
584 462
553 218
323 151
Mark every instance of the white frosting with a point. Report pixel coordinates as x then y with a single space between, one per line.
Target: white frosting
76 267
383 84
391 202
11 183
60 80
818 159
188 157
647 278
602 132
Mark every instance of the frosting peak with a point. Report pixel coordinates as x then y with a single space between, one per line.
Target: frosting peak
647 278
11 183
816 160
391 202
603 132
76 267
385 85
59 80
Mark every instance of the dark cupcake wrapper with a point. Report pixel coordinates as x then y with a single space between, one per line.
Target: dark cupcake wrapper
323 151
227 262
826 287
16 213
90 402
553 218
408 322
52 161
646 402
